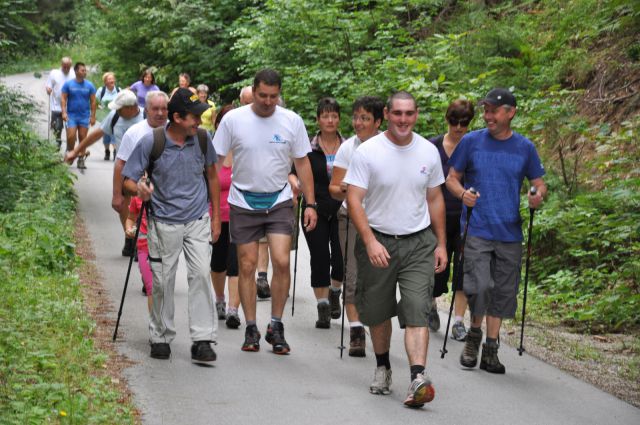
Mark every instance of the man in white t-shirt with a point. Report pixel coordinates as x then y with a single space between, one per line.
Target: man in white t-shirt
401 240
263 138
57 78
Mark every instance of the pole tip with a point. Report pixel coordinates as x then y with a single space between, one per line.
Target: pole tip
533 190
473 190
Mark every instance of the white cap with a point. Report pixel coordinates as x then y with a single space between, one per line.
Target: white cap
124 98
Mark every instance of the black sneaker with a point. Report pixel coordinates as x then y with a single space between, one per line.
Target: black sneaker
160 350
324 316
275 337
127 250
251 339
334 301
263 287
201 352
469 356
114 154
233 321
107 153
489 360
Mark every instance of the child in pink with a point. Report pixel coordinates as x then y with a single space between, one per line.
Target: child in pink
143 248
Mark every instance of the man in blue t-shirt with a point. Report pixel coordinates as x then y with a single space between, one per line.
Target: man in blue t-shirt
494 161
78 101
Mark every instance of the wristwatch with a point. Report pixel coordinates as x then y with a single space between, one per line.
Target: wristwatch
314 206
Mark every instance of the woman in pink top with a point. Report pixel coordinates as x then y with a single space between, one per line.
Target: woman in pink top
143 248
224 258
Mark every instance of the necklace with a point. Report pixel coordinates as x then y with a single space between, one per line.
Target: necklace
324 146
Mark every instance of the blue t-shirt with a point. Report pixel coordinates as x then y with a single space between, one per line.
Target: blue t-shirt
78 97
496 169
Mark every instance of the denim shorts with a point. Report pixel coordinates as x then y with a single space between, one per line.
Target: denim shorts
77 121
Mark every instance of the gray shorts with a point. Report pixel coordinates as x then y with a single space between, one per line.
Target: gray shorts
351 272
251 225
410 267
492 276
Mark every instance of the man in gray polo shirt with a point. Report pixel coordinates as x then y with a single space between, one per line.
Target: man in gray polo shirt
179 222
401 240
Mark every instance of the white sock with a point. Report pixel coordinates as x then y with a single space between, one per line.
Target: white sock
355 324
459 319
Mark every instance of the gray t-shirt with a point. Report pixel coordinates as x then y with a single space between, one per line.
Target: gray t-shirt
180 192
122 125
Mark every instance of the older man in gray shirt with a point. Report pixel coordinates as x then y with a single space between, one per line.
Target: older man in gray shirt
178 221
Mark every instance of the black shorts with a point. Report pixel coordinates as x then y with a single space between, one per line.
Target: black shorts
224 255
453 251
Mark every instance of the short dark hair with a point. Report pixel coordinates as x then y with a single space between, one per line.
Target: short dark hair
460 109
400 95
268 76
148 72
372 104
327 104
185 76
223 111
77 66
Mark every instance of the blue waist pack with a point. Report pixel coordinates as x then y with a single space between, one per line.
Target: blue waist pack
261 201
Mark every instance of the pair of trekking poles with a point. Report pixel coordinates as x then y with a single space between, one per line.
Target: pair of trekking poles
459 273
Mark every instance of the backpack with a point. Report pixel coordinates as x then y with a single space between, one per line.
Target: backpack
114 120
159 141
103 90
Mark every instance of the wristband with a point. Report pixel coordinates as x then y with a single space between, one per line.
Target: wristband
462 195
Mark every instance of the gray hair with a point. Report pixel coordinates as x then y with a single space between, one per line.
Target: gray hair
155 93
203 88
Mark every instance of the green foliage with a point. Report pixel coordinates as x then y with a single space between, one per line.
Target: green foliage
47 357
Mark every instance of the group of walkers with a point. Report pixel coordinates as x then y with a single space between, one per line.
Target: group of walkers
381 211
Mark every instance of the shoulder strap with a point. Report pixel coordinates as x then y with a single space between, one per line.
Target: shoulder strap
102 92
202 139
159 140
117 89
114 120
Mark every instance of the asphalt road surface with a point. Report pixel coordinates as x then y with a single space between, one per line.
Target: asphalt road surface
312 385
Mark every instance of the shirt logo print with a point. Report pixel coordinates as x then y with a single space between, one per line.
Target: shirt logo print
277 139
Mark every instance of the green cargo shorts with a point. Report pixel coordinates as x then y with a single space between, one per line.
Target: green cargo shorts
411 267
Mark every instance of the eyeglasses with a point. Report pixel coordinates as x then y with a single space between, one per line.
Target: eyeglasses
362 118
464 122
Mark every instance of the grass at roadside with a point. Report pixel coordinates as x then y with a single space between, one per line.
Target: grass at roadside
50 369
45 59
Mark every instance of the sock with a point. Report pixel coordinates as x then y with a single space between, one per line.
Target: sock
334 289
459 319
251 323
383 360
493 341
475 330
232 310
262 274
355 324
323 300
275 319
415 370
220 299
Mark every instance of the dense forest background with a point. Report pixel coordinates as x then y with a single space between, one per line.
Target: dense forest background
573 65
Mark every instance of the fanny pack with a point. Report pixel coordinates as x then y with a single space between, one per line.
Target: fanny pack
260 200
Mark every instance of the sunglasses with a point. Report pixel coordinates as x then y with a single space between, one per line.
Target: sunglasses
464 122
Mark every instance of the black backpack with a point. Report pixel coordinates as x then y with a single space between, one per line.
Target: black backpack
103 90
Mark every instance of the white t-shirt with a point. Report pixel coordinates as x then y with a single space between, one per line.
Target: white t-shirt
344 155
121 126
55 82
262 150
131 137
396 179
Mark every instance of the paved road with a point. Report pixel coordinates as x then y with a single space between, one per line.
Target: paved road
312 385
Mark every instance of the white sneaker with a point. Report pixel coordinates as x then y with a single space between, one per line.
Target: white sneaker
381 381
420 391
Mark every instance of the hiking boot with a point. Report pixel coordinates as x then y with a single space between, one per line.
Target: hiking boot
489 360
251 339
127 249
324 316
420 391
334 301
458 331
381 381
263 287
80 164
357 343
233 321
469 356
434 318
114 154
275 337
221 308
160 350
106 154
201 352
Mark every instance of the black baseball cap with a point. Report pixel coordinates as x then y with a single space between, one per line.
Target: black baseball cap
499 97
184 100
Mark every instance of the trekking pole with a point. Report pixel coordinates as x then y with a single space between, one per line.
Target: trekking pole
295 261
126 280
532 191
344 287
49 120
458 275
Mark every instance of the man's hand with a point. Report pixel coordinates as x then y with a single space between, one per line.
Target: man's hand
216 229
378 254
70 156
49 90
441 259
535 200
310 219
65 117
145 189
117 202
469 198
92 120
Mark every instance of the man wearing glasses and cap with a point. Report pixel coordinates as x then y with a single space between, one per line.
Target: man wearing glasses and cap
494 161
179 221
